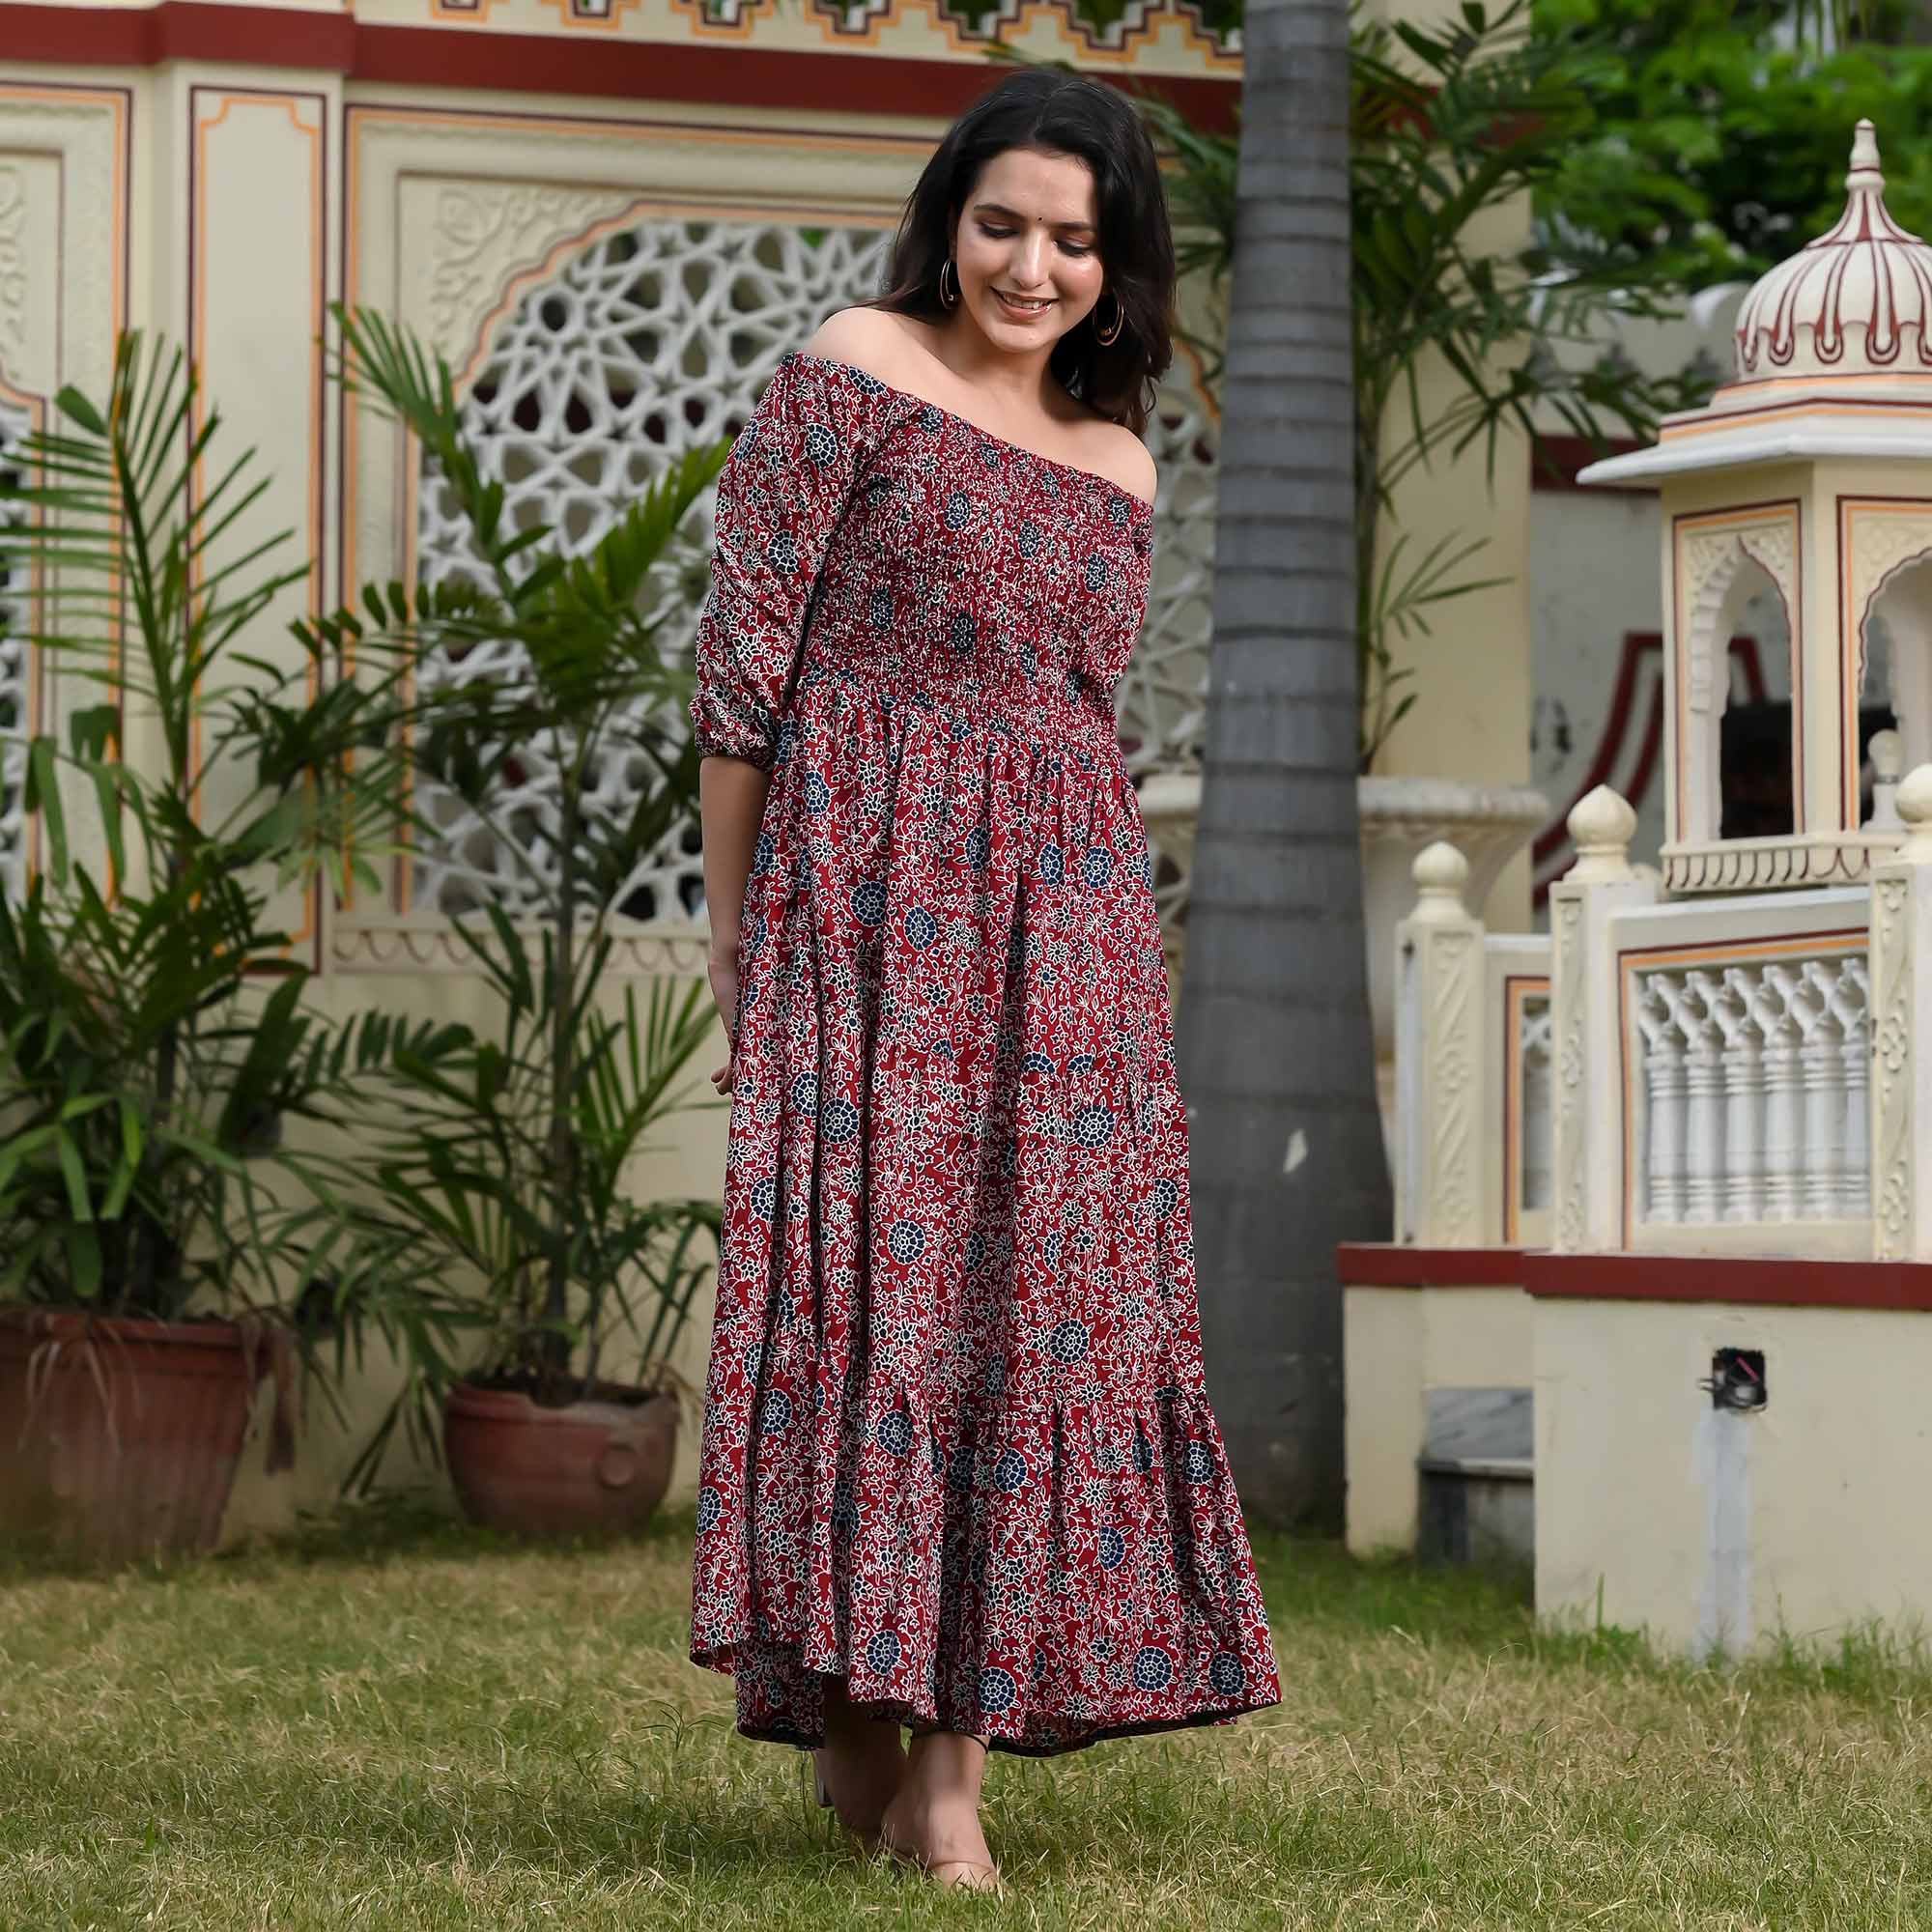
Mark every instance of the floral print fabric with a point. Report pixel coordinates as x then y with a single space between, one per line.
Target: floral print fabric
957 1448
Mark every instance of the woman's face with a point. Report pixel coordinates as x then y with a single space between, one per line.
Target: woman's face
1026 251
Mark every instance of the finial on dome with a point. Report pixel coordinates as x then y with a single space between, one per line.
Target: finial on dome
1865 157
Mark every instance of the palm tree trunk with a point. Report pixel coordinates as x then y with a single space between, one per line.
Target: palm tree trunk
1275 1053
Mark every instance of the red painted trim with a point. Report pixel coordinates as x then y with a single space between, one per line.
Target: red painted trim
1555 460
1771 1281
1391 1264
457 56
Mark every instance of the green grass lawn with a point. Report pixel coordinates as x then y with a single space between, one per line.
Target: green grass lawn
393 1723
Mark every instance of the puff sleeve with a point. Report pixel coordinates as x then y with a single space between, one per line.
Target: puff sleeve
781 496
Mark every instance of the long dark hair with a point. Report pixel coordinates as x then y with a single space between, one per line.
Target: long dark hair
1064 114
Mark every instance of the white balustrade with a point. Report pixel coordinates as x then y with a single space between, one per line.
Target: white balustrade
1754 1091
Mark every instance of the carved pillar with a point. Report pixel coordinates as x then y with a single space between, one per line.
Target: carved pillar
1744 1098
1588 1044
1439 1047
1900 1004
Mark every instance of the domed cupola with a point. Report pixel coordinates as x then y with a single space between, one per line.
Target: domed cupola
1856 302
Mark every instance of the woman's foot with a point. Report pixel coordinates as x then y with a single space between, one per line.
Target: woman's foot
860 1767
933 1820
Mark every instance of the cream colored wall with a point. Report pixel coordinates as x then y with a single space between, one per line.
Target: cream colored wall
1660 1513
1396 1344
1471 677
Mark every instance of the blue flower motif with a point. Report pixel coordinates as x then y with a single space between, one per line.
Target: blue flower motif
755 932
821 446
762 853
805 1092
1226 1674
781 553
894 1431
1166 1198
866 383
879 610
1037 1063
1078 1064
958 510
1113 1548
996 1689
1010 1471
869 901
975 1250
963 632
877 490
1146 868
845 1507
960 1467
977 1569
1153 1668
1069 1342
905 1240
1117 510
1143 1450
979 847
931 416
882 1652
1028 538
1052 862
765 1197
710 1507
1200 1462
1093 1126
817 793
1096 571
841 1118
775 1411
1098 866
921 927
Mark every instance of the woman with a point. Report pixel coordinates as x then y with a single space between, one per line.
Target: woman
958 1471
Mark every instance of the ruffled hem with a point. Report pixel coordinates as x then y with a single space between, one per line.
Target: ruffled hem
1046 1573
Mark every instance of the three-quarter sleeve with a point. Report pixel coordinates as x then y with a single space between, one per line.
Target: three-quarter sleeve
781 496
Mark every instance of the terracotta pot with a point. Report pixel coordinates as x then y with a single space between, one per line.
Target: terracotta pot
118 1439
596 1468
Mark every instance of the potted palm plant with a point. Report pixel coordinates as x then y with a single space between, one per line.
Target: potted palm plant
513 1171
164 1207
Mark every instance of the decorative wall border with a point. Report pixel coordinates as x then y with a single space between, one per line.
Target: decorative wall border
1726 951
1392 1265
454 51
1780 1281
1707 548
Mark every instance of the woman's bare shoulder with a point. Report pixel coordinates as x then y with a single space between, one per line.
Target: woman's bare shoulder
1114 451
867 339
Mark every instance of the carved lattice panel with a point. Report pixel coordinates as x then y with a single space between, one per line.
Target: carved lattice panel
15 673
661 337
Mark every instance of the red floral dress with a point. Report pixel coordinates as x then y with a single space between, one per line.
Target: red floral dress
956 1447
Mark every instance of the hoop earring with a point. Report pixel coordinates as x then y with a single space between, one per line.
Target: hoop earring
1107 337
947 299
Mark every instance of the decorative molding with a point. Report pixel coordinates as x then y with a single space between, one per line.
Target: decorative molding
12 267
1894 966
1878 538
19 706
1452 1210
1568 969
395 946
1762 865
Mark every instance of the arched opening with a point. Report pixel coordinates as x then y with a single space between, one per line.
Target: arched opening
1896 670
1739 772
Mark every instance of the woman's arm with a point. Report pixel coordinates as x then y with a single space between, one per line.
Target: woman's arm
731 804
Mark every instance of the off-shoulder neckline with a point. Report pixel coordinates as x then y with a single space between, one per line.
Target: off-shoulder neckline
1142 504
